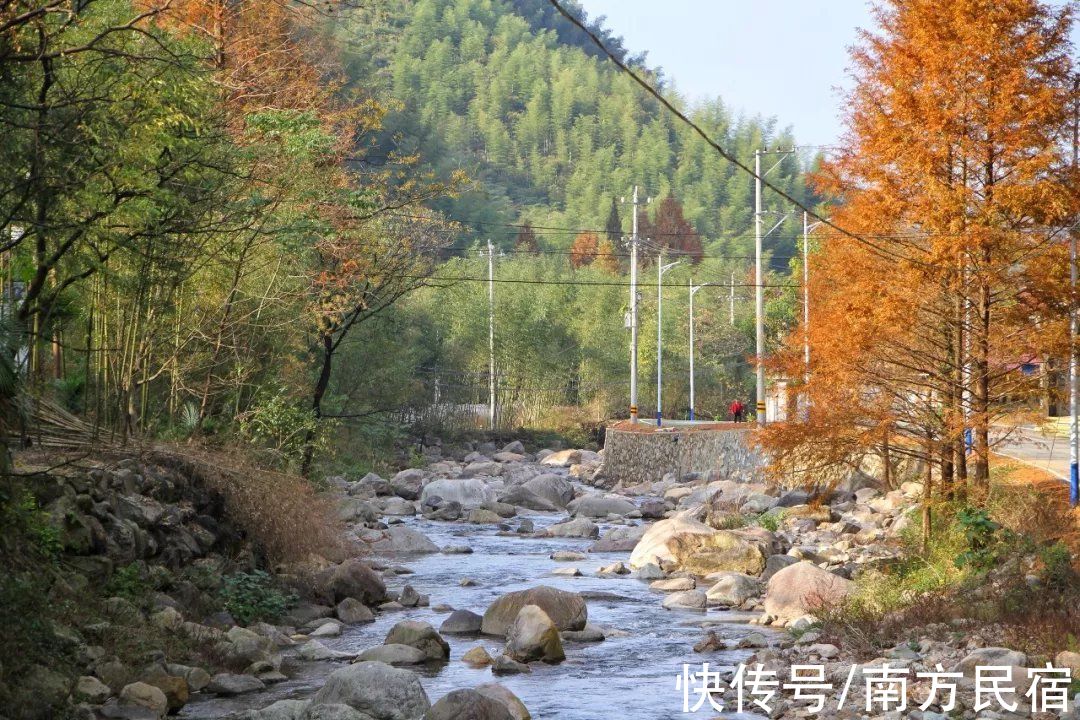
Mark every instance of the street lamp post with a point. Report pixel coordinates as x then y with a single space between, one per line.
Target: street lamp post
660 270
693 291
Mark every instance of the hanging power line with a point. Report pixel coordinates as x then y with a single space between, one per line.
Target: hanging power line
583 283
714 144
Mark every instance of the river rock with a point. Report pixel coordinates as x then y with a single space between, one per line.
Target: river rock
685 543
619 539
556 489
407 484
419 635
146 696
591 634
394 654
231 684
566 609
469 492
679 584
281 710
686 600
991 656
562 458
733 589
461 622
521 496
404 540
501 693
355 579
313 650
800 589
776 563
398 507
504 665
600 506
477 657
577 528
377 689
533 636
352 612
90 689
482 468
483 516
467 705
333 712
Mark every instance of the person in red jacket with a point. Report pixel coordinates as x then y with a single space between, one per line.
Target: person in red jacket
736 409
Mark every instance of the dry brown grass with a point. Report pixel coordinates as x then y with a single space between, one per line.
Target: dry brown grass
282 514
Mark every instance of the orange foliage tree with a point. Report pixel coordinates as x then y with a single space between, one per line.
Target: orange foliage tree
584 249
956 177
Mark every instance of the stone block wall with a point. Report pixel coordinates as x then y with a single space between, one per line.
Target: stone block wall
636 457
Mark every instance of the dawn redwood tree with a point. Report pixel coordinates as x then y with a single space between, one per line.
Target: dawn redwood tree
526 240
607 259
672 230
955 174
584 249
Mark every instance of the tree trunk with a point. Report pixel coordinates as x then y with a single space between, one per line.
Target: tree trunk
981 391
317 395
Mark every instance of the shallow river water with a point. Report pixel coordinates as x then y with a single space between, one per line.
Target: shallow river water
631 677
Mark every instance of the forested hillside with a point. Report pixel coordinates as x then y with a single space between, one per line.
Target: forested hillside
550 133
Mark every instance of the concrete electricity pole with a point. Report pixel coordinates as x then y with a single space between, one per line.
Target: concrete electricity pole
731 299
661 268
491 332
693 291
634 313
1074 329
759 292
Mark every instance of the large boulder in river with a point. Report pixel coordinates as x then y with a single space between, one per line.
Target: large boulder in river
461 622
683 543
403 540
566 609
419 635
375 689
468 705
599 506
556 489
354 579
469 492
802 589
521 496
533 636
733 589
513 703
408 483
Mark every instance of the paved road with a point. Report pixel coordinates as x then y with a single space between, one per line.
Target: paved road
1030 446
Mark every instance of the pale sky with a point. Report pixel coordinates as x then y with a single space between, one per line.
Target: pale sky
782 58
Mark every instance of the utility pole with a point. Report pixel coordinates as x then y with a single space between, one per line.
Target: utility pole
1074 328
491 333
693 291
806 295
731 298
634 313
759 292
661 268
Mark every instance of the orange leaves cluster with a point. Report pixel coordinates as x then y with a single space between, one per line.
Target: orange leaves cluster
957 177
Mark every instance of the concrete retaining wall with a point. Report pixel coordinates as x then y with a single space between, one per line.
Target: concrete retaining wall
636 457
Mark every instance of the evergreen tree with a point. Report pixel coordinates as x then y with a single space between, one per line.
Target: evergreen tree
613 227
